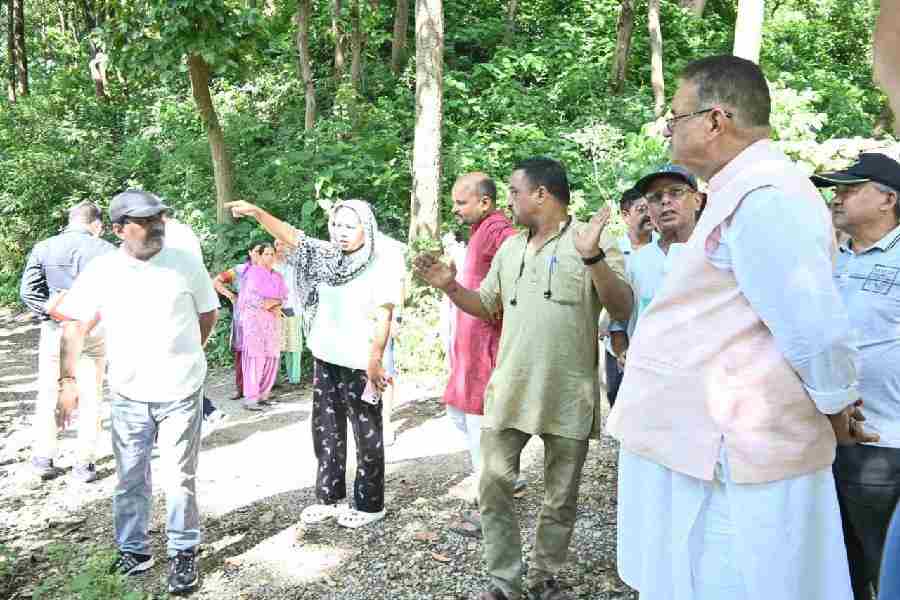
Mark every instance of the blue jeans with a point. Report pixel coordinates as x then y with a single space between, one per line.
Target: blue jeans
135 425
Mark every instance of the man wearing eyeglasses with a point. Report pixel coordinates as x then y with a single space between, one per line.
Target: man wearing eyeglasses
673 203
640 231
52 267
550 284
741 374
158 308
865 206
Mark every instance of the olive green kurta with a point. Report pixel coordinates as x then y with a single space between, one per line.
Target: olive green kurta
546 379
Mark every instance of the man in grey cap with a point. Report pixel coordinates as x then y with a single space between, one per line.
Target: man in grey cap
157 307
867 271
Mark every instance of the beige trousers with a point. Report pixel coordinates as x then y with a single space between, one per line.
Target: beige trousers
563 461
90 373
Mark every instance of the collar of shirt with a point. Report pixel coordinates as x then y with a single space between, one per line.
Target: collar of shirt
494 216
884 244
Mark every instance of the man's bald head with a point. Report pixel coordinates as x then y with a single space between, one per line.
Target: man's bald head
474 197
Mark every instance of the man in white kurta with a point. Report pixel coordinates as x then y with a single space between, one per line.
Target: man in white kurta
741 375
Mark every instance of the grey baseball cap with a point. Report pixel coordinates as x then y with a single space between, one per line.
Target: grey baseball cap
135 203
676 171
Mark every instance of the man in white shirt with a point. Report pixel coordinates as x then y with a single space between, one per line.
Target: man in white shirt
865 206
158 308
639 234
673 203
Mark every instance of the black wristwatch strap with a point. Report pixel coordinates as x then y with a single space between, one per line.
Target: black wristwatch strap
594 259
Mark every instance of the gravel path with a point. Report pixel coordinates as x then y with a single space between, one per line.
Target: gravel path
256 475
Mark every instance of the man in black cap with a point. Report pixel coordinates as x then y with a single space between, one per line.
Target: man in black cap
51 269
867 270
673 204
157 307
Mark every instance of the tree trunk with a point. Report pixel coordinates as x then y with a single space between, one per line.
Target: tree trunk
510 34
98 74
398 43
748 29
425 211
21 56
656 58
885 122
222 170
356 47
624 29
338 34
695 6
304 14
10 52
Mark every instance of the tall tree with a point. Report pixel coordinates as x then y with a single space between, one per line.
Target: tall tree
304 62
425 211
398 42
198 69
624 29
204 35
656 58
357 39
98 61
510 34
11 51
21 56
337 32
748 29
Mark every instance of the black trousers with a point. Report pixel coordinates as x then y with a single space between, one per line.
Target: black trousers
613 378
868 483
336 398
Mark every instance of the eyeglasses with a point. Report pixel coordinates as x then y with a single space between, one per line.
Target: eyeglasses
676 192
671 121
142 221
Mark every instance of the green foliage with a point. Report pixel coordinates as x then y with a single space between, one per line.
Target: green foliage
545 93
82 573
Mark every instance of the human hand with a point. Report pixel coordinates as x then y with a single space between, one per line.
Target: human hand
66 402
241 208
434 272
620 360
848 428
376 374
587 239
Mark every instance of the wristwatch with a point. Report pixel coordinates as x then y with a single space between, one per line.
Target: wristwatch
594 259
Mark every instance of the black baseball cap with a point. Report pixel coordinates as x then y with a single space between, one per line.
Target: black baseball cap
675 171
870 166
135 203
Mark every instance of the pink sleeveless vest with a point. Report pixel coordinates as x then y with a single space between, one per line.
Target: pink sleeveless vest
703 369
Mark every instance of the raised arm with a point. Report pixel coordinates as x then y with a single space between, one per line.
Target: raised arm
277 228
612 291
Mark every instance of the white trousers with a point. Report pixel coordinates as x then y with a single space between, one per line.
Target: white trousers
470 427
90 372
681 538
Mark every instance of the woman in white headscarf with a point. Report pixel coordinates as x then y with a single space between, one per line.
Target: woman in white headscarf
347 288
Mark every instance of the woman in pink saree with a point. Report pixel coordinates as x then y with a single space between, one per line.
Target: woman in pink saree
259 304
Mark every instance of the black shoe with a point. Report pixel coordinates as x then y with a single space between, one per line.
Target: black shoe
548 590
184 574
130 563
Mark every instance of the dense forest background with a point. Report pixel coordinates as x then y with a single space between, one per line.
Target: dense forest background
293 103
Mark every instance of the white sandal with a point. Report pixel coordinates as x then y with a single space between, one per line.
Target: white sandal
317 513
357 518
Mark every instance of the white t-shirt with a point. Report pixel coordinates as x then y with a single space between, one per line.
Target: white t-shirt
342 330
180 236
149 314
